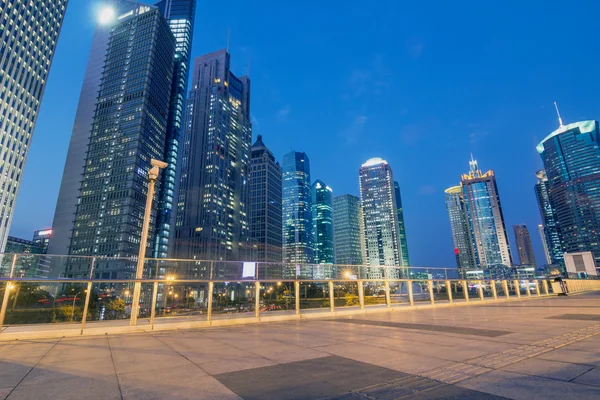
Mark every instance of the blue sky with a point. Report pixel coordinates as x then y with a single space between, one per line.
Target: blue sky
420 84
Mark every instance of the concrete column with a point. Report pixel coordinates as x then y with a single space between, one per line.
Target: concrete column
537 287
297 292
545 286
505 288
465 289
494 291
430 288
517 284
388 298
528 289
331 296
411 297
361 294
211 288
257 299
480 290
448 285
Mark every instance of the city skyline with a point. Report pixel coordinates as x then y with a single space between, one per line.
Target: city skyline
418 195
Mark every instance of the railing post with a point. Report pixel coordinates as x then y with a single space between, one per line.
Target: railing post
493 287
257 299
331 296
449 290
211 288
537 287
527 282
388 297
430 289
361 294
517 284
154 299
465 290
297 295
86 305
7 292
545 286
411 297
505 288
480 290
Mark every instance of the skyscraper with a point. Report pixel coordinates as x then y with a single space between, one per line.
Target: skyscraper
41 237
486 220
544 244
265 203
524 247
28 37
377 198
297 209
571 157
322 219
403 245
128 130
347 232
464 247
552 238
212 214
180 18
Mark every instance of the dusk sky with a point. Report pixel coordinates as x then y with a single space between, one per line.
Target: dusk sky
420 84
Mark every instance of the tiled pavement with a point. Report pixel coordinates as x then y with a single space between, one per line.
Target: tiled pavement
531 349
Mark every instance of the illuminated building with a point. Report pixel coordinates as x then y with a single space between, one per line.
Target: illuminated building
464 249
28 36
403 246
524 246
347 231
42 237
297 209
550 233
322 220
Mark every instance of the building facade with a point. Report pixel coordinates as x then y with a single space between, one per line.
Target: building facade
403 245
297 209
378 203
322 219
212 215
265 204
524 246
552 239
28 40
464 247
486 220
571 157
128 130
542 234
30 260
346 228
41 237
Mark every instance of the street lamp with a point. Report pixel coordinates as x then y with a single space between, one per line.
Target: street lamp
74 300
137 288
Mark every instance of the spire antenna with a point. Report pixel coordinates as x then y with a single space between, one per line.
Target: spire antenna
228 38
558 113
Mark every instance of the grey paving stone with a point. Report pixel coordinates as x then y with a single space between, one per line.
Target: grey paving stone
12 372
549 369
427 327
577 317
590 378
4 392
69 388
573 356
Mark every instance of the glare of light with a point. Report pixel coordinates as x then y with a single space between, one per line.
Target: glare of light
106 15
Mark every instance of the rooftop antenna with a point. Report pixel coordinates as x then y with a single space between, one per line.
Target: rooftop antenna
228 37
558 113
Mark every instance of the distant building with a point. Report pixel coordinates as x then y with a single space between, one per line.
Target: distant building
347 231
571 157
28 35
524 246
30 260
265 203
377 197
550 234
297 209
544 244
464 247
322 220
403 245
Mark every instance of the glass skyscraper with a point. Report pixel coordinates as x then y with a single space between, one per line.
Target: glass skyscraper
464 248
377 197
265 203
28 35
551 237
403 245
322 219
128 130
180 16
524 246
297 209
212 215
347 231
571 157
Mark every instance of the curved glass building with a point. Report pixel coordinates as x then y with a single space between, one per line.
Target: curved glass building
322 217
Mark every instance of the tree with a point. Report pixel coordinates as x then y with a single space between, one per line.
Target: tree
115 308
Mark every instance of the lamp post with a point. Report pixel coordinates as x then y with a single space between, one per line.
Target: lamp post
137 288
73 309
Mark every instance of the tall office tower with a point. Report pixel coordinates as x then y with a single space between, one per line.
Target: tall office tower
346 230
322 220
552 238
486 220
177 12
265 203
544 244
403 245
524 246
128 130
212 213
297 209
28 36
41 237
377 198
464 247
571 156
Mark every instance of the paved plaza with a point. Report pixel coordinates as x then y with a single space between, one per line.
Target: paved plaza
545 348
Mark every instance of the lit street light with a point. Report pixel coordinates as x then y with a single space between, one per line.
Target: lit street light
137 288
